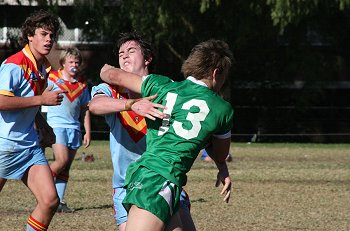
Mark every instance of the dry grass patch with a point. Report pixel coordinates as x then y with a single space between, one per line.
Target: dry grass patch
276 187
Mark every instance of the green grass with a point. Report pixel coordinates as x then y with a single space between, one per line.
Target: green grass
276 187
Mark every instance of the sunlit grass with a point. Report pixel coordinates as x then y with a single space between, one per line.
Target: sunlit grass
276 187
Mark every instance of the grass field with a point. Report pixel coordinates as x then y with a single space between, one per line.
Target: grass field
276 187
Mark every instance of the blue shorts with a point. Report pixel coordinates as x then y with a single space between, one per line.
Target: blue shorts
14 165
69 137
121 215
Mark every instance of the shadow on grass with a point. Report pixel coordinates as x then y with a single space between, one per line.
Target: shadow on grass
94 207
200 200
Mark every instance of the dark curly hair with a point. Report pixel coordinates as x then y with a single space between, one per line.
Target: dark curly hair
39 19
146 46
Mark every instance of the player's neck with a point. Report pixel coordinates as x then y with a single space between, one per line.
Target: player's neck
208 82
66 76
142 72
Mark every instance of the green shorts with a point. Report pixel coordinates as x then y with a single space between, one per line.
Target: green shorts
152 192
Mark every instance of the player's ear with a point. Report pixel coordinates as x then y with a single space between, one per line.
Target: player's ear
216 73
30 38
148 61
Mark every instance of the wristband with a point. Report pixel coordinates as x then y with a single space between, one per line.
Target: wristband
128 104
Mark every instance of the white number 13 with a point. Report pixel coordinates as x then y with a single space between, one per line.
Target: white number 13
194 118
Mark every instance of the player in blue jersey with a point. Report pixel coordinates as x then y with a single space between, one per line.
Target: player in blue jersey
196 117
23 79
65 119
125 117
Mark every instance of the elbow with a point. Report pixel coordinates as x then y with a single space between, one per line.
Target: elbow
92 108
95 109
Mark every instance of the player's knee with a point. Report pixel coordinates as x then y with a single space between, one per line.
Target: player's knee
62 162
50 202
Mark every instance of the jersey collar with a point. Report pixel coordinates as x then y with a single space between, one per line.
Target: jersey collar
46 65
196 81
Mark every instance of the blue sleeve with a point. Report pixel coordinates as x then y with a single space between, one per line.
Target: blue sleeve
102 88
86 96
10 78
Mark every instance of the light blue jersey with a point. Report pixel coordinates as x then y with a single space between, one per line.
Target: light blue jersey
67 114
127 134
19 77
19 150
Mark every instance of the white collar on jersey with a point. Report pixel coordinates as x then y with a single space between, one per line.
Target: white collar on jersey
194 80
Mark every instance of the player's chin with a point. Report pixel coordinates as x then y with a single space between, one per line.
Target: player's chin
45 51
127 69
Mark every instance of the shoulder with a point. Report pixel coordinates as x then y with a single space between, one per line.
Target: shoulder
226 106
16 62
17 59
10 71
153 83
156 79
221 108
53 76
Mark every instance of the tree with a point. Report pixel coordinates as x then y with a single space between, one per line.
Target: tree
286 12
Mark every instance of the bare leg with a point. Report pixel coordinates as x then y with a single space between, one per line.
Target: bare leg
69 162
140 219
61 183
61 158
40 181
122 226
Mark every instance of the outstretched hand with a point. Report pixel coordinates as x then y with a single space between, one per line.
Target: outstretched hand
146 108
224 177
51 98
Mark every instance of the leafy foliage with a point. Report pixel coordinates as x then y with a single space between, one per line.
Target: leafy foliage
271 39
285 12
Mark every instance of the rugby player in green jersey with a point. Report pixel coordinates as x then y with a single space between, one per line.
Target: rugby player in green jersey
195 117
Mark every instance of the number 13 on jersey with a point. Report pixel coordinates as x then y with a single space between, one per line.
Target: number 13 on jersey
194 118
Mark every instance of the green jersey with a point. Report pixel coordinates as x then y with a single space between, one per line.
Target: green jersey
194 114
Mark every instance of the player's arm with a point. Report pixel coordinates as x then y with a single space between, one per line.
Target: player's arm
102 104
218 151
87 125
116 76
219 148
11 102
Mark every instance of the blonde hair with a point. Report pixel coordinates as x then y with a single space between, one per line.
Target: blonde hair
70 52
